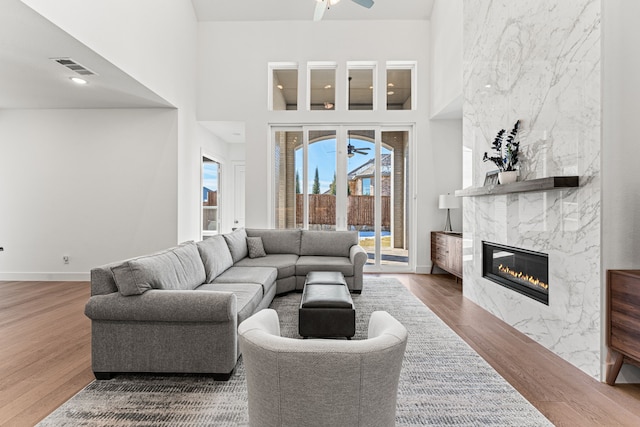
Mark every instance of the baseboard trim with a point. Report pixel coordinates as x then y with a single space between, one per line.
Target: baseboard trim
46 277
423 269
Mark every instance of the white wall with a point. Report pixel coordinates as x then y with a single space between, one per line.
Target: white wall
621 175
447 146
233 86
446 51
96 185
446 96
156 45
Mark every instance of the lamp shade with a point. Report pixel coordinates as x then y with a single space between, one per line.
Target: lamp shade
447 201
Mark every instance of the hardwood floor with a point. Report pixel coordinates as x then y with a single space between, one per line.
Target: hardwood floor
44 348
562 392
45 354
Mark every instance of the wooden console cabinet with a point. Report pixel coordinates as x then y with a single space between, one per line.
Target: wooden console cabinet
623 319
446 252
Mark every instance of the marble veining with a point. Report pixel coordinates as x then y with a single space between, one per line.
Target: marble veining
538 62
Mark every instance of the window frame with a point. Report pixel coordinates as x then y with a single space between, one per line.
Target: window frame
322 65
363 65
207 233
275 66
412 66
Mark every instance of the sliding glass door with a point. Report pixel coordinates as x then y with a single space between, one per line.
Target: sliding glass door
346 178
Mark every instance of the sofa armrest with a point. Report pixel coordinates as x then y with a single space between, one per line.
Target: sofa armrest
358 256
164 306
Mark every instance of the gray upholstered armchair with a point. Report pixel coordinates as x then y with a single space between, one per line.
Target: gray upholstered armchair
294 382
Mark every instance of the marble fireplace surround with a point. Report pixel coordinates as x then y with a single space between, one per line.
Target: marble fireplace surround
538 62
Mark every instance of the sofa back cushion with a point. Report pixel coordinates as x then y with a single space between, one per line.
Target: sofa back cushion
278 241
237 243
177 268
327 243
215 255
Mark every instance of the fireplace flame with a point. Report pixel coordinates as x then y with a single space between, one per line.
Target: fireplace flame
524 277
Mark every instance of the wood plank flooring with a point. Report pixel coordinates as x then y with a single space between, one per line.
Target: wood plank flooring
562 392
44 348
45 354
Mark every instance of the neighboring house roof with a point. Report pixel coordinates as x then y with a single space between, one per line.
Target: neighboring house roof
369 168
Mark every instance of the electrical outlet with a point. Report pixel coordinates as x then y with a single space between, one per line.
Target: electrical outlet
1 249
65 258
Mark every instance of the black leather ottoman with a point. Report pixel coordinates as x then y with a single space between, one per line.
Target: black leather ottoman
326 309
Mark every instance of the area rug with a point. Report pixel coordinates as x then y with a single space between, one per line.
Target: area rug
443 381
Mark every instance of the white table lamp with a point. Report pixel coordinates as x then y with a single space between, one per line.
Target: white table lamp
448 202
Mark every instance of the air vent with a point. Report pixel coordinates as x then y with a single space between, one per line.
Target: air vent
74 66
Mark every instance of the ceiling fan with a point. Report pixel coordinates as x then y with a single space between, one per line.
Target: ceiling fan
322 5
351 150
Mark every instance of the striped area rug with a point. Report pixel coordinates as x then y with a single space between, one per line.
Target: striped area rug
443 381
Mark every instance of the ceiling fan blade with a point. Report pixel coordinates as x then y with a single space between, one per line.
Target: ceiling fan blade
321 6
364 3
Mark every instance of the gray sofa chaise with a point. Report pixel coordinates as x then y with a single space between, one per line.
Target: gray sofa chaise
177 311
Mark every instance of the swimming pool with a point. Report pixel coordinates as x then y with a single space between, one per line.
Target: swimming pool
372 233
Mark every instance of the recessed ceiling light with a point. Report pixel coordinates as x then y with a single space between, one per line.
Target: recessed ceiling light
327 86
78 80
390 84
487 86
390 92
371 87
280 87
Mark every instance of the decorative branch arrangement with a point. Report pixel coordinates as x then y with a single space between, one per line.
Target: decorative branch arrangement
505 159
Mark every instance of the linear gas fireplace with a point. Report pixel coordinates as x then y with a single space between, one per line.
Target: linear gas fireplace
521 270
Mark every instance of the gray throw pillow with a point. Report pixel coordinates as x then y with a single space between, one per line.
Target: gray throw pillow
237 242
215 256
178 268
256 248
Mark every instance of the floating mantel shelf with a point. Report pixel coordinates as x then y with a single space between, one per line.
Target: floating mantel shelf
540 184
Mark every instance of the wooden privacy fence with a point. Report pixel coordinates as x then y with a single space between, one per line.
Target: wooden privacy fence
212 199
360 210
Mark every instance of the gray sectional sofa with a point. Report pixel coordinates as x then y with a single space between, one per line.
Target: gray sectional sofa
178 310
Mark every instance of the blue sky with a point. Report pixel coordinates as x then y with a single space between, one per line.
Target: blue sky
323 155
210 176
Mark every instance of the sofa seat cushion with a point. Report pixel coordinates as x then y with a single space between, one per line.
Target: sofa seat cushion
265 276
248 296
178 268
285 263
307 264
215 255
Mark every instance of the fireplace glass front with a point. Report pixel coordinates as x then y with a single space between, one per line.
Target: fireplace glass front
521 270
